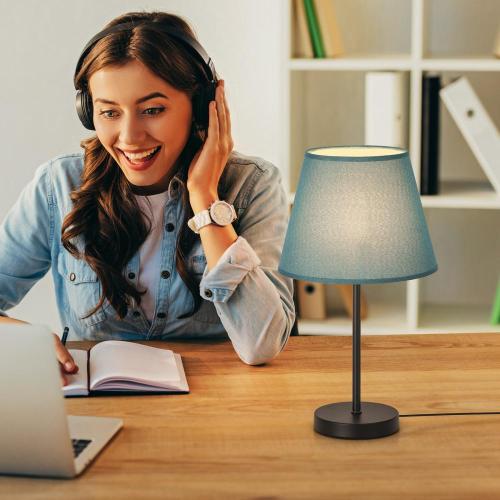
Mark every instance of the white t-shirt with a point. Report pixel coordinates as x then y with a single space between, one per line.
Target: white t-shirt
149 253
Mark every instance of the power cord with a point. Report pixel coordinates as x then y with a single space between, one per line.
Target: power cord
443 414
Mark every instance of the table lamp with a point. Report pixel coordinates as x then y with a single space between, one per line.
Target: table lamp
357 218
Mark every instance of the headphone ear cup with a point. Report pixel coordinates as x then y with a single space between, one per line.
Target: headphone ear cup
201 101
84 109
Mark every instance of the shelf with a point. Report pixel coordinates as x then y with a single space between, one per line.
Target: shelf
382 318
465 194
391 320
354 62
460 64
455 319
395 62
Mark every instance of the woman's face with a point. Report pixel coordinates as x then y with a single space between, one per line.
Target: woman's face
128 119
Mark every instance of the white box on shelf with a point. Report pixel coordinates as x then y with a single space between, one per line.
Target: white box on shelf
475 125
386 108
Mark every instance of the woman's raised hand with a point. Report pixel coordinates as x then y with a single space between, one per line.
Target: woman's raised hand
208 164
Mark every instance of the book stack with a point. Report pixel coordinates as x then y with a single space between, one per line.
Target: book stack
315 28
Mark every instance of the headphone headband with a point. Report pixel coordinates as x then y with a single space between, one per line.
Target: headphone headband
188 42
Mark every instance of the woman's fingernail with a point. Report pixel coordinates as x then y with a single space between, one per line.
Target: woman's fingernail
68 365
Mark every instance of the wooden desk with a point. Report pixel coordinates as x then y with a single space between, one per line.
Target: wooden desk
246 432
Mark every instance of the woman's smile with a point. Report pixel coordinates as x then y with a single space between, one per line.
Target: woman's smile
138 162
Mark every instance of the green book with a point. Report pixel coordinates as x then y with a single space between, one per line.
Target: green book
314 31
495 312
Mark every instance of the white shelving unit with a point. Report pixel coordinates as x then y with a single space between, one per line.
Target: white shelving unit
323 105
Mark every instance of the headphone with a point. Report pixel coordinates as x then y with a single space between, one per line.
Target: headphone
201 99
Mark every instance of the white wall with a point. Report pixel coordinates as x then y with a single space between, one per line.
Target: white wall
39 45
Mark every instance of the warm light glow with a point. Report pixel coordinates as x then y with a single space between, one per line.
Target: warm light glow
366 151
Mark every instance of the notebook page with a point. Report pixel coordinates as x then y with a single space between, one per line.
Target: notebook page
121 361
77 383
128 385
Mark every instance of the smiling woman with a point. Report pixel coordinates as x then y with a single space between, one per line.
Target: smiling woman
159 230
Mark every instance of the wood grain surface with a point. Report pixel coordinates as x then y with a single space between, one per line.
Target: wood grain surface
246 431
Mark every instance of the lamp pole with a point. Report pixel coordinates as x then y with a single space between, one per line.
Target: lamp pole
356 350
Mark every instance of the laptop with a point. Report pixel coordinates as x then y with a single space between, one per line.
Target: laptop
36 436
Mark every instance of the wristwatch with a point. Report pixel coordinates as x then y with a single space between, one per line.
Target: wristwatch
219 212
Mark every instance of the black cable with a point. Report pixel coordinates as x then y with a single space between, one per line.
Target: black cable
440 414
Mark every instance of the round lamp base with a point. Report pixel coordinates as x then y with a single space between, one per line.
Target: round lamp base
375 420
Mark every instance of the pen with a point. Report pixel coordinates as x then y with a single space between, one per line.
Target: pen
64 335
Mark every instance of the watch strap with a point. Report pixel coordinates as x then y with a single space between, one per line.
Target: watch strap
201 219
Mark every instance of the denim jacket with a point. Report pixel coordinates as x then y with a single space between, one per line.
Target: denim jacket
244 296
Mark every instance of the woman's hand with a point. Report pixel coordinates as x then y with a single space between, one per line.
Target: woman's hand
208 164
66 362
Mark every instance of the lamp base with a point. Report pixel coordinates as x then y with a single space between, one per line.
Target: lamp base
375 420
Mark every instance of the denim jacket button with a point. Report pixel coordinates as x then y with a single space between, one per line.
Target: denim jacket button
136 314
72 277
131 276
165 274
208 293
161 315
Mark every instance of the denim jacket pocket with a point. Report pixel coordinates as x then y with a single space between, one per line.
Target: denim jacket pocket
83 288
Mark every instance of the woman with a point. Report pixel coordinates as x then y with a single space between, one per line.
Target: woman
159 230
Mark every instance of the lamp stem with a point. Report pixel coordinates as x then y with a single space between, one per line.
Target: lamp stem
356 350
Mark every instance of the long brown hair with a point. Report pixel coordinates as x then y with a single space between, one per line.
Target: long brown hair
105 214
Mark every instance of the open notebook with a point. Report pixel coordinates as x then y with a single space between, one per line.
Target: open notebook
115 366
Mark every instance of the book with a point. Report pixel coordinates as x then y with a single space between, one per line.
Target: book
328 25
314 29
311 300
429 168
386 108
120 367
475 125
302 46
495 311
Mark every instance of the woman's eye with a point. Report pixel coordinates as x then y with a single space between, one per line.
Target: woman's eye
154 111
150 111
104 113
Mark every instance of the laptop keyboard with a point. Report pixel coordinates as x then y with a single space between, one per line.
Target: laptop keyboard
79 445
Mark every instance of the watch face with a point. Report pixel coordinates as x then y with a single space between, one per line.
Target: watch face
221 213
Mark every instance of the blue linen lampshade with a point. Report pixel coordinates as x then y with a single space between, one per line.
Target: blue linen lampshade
357 218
